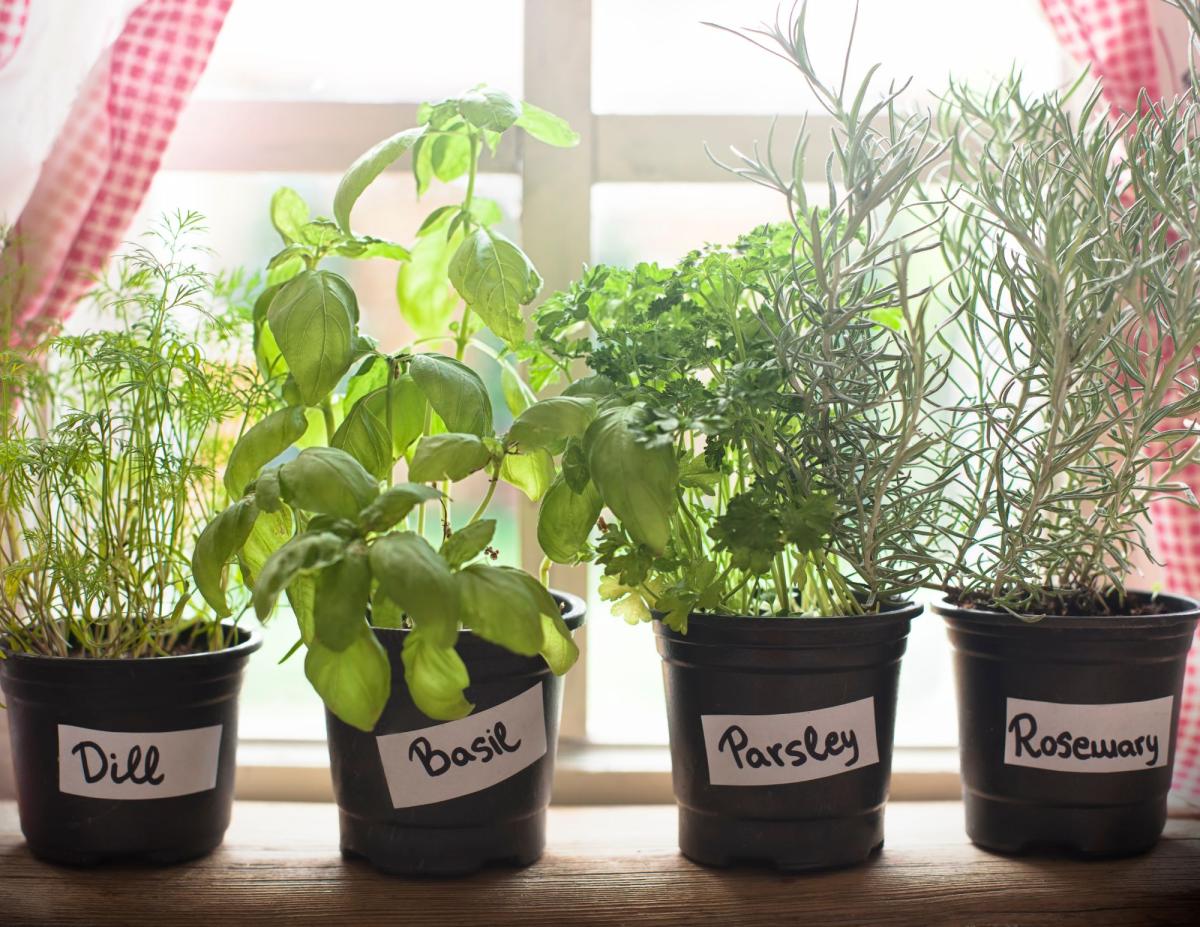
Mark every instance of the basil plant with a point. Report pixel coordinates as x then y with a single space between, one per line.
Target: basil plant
328 527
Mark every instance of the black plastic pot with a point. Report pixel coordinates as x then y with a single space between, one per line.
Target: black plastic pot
803 800
125 759
1038 777
430 810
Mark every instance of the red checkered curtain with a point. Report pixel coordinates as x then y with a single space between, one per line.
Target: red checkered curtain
109 147
1130 46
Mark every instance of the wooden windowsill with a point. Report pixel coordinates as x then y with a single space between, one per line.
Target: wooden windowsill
605 865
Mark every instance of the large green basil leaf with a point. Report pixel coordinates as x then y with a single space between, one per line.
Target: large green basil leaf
550 421
312 318
455 391
415 577
394 503
566 519
364 432
436 676
289 214
261 444
302 554
559 649
496 279
301 596
489 109
450 156
327 481
342 593
366 168
638 483
424 294
449 456
355 682
546 127
270 532
468 542
531 472
498 606
218 542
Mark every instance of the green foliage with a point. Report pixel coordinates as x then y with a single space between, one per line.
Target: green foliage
316 514
108 470
1073 239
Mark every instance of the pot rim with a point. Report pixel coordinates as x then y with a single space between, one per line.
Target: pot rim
900 611
573 616
251 640
1183 608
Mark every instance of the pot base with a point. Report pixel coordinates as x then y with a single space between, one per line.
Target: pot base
400 849
1094 832
170 856
789 845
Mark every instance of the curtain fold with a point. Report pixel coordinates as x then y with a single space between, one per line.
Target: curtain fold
1131 46
107 151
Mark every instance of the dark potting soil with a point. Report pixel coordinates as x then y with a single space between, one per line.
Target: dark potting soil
1083 604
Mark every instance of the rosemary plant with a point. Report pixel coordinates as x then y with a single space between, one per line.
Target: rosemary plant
109 473
1073 236
791 380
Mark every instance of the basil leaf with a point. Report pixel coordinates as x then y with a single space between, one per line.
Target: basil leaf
566 519
261 444
637 482
394 503
289 214
365 247
365 169
532 473
449 456
468 542
574 466
218 542
489 109
340 606
303 553
415 577
436 677
546 127
423 292
496 605
559 649
450 156
517 394
496 279
327 481
455 391
268 494
312 318
549 421
270 532
364 432
356 682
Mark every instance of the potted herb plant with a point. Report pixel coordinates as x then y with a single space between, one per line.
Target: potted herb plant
439 669
121 688
772 458
1074 235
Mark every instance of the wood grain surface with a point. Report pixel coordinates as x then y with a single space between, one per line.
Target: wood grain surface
605 865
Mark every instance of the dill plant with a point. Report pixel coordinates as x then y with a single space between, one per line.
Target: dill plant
1073 238
108 466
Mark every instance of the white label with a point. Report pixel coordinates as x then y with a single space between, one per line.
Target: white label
1088 738
113 764
461 757
777 749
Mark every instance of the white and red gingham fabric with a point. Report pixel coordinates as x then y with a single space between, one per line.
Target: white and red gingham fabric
1122 42
109 149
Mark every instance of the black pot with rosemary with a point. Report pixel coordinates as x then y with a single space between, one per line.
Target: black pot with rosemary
1073 237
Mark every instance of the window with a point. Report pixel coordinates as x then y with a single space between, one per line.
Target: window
294 98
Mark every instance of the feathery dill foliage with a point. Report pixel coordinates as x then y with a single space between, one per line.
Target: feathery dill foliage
107 480
1074 233
794 373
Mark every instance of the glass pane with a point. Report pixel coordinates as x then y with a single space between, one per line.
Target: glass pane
662 222
660 58
365 50
278 702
